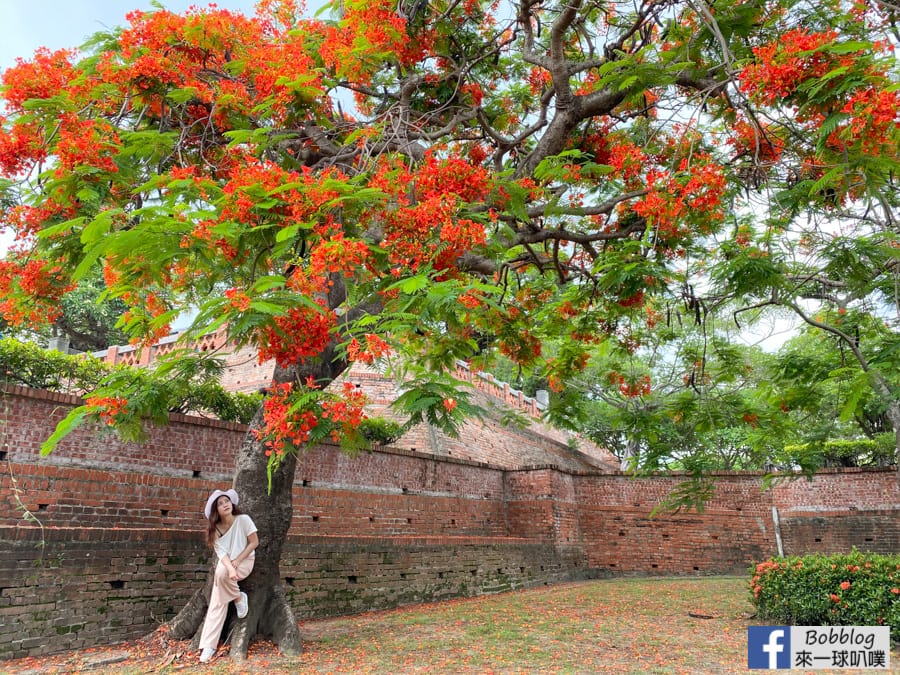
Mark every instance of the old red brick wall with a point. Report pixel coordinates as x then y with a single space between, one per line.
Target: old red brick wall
840 509
119 545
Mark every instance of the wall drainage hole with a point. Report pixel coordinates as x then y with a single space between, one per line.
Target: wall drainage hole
289 581
164 512
371 519
42 507
3 454
195 473
305 483
352 579
315 519
409 521
117 584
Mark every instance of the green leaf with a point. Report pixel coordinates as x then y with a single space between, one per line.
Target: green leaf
267 307
99 227
825 180
91 256
55 230
66 426
850 47
182 95
268 283
410 285
287 233
238 136
627 82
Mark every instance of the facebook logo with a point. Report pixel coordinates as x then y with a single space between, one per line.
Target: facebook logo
768 647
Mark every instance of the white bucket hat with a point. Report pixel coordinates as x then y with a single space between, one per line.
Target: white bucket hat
231 494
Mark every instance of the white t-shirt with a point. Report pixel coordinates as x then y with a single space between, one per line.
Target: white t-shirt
235 539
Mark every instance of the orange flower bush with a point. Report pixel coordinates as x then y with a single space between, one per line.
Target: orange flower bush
856 589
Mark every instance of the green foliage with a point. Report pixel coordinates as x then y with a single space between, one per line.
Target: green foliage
182 383
442 403
855 589
27 364
88 318
880 451
380 431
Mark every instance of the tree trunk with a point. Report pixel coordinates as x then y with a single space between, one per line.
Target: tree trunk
270 614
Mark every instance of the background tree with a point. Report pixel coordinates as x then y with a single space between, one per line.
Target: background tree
85 319
691 398
816 229
505 171
828 394
88 319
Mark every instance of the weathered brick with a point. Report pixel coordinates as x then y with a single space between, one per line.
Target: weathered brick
389 527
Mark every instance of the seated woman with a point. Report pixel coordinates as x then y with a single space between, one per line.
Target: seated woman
232 535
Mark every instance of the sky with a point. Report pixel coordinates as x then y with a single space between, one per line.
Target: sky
26 25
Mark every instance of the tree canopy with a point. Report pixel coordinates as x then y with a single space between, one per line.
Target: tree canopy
454 180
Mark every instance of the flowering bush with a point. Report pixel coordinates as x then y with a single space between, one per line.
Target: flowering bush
856 589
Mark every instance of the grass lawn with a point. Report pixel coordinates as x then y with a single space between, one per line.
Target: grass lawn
659 625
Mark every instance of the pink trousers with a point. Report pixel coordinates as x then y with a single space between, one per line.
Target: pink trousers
225 589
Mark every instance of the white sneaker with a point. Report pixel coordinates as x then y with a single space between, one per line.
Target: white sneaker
241 606
207 654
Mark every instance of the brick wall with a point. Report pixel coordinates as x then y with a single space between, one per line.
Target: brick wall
73 587
121 527
841 509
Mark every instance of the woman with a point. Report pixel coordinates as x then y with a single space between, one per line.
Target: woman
232 535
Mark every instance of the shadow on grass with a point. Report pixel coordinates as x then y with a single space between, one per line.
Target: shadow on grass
650 625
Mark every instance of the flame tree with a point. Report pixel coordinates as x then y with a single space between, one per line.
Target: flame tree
435 180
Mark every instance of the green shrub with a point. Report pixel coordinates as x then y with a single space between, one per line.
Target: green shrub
193 391
27 364
380 431
880 451
855 589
